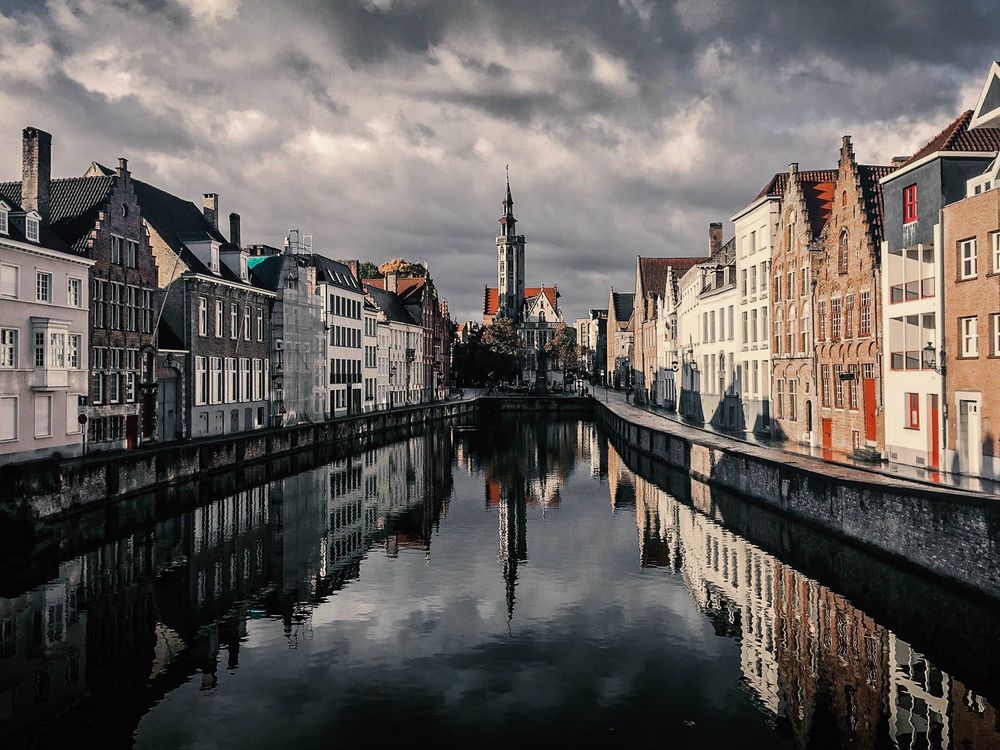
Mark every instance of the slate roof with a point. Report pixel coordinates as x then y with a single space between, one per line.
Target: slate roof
46 238
265 270
391 305
958 137
335 273
871 192
623 302
74 205
777 184
178 221
653 271
491 299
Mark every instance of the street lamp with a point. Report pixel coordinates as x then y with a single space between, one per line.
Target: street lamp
929 360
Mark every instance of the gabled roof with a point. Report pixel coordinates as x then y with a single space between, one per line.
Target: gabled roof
405 286
987 113
957 136
653 271
391 305
777 184
335 273
871 194
46 238
177 222
74 205
491 300
622 302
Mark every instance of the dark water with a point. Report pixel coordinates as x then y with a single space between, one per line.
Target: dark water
515 583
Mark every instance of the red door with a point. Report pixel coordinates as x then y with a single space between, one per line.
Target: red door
132 431
871 433
827 437
935 462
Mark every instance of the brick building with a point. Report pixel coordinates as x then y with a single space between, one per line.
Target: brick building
848 310
98 216
972 326
213 312
807 199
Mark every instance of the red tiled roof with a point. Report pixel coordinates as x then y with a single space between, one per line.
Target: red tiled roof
404 286
958 137
777 184
653 271
491 300
819 202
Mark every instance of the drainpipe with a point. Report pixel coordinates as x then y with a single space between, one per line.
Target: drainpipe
942 335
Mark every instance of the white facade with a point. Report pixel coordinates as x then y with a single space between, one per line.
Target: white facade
44 341
400 375
754 231
369 363
345 347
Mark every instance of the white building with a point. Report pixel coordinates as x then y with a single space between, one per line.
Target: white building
754 232
369 364
400 340
44 339
344 302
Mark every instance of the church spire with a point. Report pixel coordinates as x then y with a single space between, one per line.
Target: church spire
507 221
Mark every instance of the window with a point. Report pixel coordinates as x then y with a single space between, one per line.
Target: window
98 302
843 252
763 326
777 337
8 347
232 380
853 384
112 384
200 380
202 316
260 323
763 278
8 418
909 204
793 403
743 279
996 251
216 384
74 342
967 259
131 253
969 334
824 380
835 319
74 292
234 320
753 326
245 387
790 285
43 286
838 386
72 411
43 415
746 336
39 349
3 220
130 387
996 334
753 280
132 308
779 398
218 319
8 281
865 327
777 287
116 249
912 406
849 316
246 323
821 320
147 311
31 231
790 332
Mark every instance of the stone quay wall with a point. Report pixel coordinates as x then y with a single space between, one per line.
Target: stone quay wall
48 488
952 534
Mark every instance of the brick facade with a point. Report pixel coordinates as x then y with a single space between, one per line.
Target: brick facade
850 417
804 208
973 364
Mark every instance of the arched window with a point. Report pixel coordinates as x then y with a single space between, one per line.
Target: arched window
842 251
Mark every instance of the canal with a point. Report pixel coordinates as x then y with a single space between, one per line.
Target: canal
517 581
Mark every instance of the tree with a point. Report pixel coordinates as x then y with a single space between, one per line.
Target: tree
403 268
563 349
368 270
502 349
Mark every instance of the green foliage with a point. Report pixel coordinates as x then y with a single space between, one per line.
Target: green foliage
563 349
368 270
501 351
402 268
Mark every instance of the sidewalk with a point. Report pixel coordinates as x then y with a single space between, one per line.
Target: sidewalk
833 463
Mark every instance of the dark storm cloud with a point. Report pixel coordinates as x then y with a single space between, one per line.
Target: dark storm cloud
383 126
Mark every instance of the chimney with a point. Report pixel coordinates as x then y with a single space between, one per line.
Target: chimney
390 282
36 171
122 166
793 168
355 268
210 205
714 237
234 229
898 161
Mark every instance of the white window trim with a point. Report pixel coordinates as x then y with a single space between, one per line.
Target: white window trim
969 334
17 404
963 246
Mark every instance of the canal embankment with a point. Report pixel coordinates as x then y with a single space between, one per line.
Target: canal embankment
951 533
48 488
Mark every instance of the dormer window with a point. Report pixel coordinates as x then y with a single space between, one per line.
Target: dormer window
31 228
3 219
243 268
215 259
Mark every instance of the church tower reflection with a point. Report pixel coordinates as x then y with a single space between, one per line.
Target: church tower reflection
513 547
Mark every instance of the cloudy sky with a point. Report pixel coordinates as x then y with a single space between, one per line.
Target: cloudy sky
382 127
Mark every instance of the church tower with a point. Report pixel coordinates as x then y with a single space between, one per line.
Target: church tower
510 263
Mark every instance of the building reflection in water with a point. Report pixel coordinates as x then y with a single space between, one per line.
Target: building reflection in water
808 658
120 627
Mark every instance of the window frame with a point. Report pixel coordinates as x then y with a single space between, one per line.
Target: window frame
911 410
47 276
910 212
972 258
968 334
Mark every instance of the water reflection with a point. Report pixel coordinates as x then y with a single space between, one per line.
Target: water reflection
808 657
703 638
